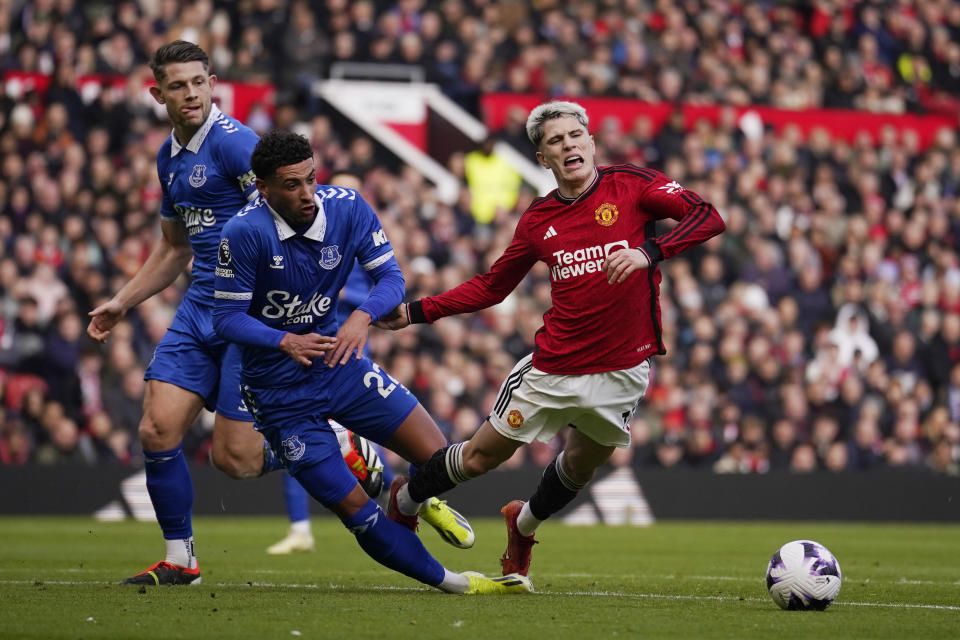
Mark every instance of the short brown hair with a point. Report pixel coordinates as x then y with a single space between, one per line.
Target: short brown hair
177 51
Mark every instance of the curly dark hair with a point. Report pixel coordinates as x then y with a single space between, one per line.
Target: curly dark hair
177 51
276 149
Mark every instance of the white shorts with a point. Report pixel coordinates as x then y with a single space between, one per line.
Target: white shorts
533 404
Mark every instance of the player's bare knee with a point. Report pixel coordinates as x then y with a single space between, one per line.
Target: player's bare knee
156 436
221 460
147 432
237 448
238 463
234 468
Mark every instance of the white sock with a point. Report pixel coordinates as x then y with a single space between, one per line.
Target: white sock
405 503
527 523
454 582
301 526
180 552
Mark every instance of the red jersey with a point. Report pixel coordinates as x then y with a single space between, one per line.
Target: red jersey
592 326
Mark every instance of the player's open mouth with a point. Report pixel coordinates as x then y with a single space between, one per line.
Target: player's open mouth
573 162
190 110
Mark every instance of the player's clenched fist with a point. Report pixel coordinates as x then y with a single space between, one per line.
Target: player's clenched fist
396 319
306 347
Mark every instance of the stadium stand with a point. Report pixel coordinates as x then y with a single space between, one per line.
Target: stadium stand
822 330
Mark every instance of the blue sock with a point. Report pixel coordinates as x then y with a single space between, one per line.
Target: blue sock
393 545
171 491
296 498
271 461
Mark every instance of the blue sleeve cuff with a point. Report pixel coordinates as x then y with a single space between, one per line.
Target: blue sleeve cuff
388 292
238 327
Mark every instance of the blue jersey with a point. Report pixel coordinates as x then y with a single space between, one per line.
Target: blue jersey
354 292
204 184
290 281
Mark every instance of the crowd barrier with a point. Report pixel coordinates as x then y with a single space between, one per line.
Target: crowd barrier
615 497
844 124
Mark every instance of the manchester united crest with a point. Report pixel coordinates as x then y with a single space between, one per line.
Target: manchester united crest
515 419
606 214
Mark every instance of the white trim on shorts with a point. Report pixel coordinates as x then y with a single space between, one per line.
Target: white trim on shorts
533 404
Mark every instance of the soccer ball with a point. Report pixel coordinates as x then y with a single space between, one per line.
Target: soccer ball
803 575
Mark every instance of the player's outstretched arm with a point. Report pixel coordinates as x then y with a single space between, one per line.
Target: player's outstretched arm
167 261
302 348
396 319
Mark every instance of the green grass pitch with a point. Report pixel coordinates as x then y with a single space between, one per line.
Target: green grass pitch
58 579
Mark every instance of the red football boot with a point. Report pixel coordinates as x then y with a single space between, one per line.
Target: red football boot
516 559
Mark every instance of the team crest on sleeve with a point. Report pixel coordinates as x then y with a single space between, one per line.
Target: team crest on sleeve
606 214
330 256
223 253
293 448
198 177
515 419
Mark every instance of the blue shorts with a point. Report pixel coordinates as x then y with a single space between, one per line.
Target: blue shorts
192 357
328 480
359 395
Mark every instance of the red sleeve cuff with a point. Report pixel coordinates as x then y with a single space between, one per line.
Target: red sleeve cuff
652 251
415 314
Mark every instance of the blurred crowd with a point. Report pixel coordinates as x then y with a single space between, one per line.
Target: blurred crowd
877 56
820 331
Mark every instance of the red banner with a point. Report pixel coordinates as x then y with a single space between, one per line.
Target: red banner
236 99
841 123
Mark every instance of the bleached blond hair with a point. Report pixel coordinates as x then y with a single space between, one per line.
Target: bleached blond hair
549 111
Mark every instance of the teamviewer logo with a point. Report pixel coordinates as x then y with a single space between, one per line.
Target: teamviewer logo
610 247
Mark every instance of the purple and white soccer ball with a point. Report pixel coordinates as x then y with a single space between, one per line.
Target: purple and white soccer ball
803 576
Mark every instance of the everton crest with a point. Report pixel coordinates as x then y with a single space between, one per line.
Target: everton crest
330 256
293 448
198 176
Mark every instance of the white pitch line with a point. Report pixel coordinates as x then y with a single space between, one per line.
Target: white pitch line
900 581
542 575
664 596
594 594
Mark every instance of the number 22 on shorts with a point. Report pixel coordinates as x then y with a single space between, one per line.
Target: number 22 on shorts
376 377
